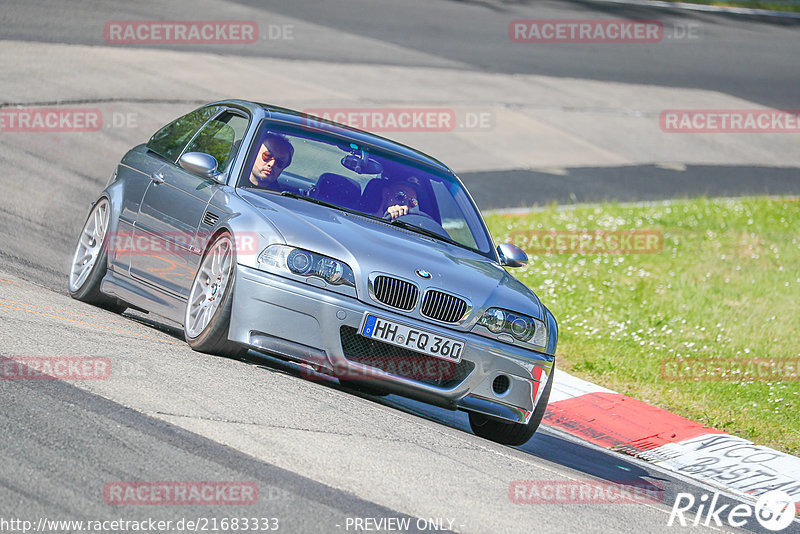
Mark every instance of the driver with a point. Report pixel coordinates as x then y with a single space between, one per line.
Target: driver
274 155
398 199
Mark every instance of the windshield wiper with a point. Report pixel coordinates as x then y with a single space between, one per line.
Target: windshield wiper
313 200
424 231
298 196
396 222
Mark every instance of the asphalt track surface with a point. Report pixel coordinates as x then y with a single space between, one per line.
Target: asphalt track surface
755 58
318 453
750 58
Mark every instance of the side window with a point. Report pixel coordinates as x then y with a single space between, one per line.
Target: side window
220 138
169 141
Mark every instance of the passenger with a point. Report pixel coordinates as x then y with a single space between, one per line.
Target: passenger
274 155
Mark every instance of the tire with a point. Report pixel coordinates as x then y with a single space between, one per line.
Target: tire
208 310
90 260
507 433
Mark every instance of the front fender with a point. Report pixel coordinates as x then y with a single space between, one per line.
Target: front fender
552 331
251 230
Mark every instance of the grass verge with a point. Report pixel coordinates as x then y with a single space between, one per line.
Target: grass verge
725 287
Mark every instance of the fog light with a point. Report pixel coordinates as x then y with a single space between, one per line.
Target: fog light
500 384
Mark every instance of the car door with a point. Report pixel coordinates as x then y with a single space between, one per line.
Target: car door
134 173
175 203
137 171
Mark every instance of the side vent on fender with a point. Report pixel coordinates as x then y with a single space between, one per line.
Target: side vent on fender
210 219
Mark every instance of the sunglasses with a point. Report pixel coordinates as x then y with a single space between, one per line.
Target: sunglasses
266 156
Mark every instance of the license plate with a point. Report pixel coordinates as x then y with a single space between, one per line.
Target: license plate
412 338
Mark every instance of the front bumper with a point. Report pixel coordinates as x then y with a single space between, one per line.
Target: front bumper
304 322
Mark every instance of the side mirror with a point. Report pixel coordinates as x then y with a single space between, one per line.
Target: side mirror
199 163
511 255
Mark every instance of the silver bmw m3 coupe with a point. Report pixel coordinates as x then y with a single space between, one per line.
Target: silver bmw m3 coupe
261 228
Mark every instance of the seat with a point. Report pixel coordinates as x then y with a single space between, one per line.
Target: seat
337 189
371 197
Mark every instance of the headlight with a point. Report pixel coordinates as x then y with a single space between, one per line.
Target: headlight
304 263
521 327
494 319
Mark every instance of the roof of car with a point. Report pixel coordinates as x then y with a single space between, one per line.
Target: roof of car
297 117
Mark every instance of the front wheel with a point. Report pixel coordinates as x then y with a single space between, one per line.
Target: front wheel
90 261
208 310
507 433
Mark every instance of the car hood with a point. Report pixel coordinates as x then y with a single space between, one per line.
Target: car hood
368 246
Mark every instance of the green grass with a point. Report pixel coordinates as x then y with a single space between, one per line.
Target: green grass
725 285
775 5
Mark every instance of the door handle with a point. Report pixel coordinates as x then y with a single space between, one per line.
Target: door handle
157 177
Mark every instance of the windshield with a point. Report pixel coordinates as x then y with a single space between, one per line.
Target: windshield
329 168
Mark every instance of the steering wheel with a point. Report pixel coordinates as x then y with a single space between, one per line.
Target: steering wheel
387 215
